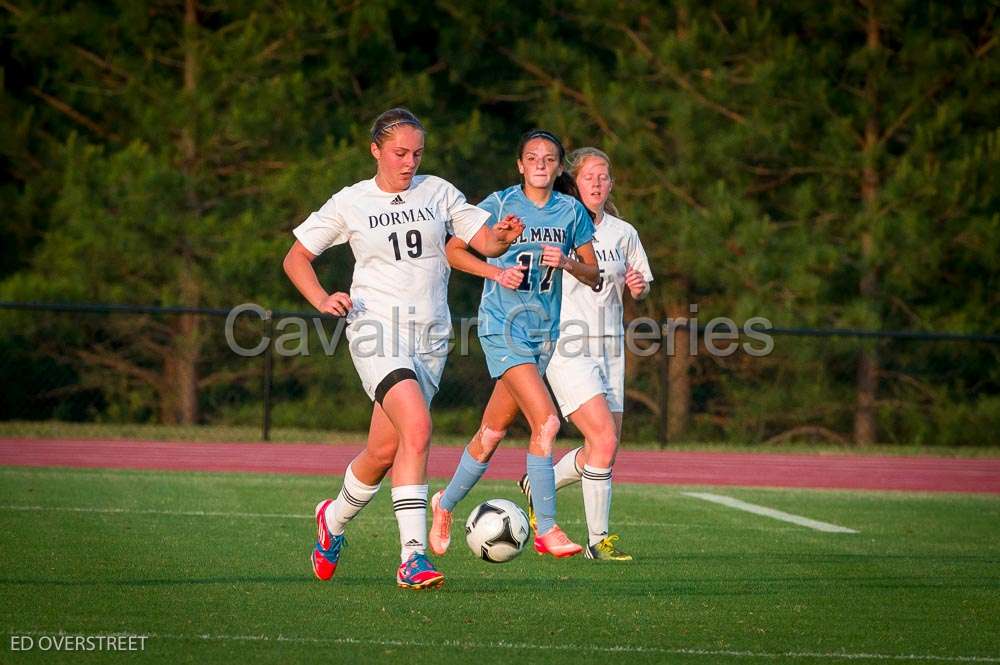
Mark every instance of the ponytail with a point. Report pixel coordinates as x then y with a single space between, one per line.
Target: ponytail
566 184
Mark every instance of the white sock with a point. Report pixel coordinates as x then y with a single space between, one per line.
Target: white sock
597 501
566 470
410 505
354 496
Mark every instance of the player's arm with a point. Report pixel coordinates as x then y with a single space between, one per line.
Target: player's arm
583 267
637 269
460 258
298 266
495 241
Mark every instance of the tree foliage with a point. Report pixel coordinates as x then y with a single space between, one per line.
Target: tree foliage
824 166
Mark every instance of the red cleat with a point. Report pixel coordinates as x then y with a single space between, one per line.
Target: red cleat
418 573
556 543
326 554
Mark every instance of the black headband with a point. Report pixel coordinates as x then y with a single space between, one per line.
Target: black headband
548 136
542 134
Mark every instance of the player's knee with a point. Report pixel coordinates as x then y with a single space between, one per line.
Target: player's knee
549 429
603 448
546 433
489 440
416 436
382 457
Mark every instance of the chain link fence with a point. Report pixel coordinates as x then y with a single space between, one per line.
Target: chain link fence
126 364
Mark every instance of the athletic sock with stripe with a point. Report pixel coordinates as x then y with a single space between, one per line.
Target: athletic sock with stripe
597 501
354 496
409 502
566 469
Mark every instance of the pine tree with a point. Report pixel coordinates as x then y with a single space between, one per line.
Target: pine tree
187 138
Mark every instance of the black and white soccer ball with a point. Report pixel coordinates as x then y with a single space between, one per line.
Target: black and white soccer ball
497 530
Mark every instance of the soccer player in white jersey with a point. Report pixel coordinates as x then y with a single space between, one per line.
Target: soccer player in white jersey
397 224
518 327
587 371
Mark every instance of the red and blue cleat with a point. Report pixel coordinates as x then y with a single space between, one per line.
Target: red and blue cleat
327 551
418 572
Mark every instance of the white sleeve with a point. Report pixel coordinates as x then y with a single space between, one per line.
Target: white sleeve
637 256
322 229
464 219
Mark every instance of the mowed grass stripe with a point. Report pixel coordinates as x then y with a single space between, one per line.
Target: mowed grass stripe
107 510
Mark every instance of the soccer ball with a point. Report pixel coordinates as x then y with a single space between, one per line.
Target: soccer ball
496 530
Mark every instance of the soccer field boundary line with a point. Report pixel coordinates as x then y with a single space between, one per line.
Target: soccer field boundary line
304 516
525 646
773 513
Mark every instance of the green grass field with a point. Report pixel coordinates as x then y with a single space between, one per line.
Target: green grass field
213 567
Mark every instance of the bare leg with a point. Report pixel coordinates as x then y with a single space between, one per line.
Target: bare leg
600 431
525 385
372 463
600 428
405 408
499 414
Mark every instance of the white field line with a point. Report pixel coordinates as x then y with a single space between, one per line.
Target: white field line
524 646
769 512
304 516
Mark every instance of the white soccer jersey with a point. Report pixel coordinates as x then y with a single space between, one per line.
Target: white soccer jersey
616 244
398 240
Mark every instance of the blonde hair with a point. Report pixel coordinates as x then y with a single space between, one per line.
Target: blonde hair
574 162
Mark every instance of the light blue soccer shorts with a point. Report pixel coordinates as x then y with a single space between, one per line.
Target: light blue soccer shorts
503 352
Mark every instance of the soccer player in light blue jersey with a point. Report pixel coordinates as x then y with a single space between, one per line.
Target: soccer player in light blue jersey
518 328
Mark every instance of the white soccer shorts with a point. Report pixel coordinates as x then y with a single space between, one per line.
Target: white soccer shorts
586 366
383 356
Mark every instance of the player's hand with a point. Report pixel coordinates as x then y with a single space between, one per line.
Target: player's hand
508 229
510 278
635 282
338 304
553 257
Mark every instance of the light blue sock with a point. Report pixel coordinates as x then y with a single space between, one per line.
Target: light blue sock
543 491
468 473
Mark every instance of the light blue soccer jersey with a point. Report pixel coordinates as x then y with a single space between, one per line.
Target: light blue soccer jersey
531 312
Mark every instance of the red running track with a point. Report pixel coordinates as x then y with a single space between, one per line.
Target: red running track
667 468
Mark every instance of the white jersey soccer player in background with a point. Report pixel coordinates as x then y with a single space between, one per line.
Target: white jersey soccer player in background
397 224
587 371
518 327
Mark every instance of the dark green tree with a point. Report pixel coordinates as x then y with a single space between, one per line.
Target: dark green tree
767 154
180 141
